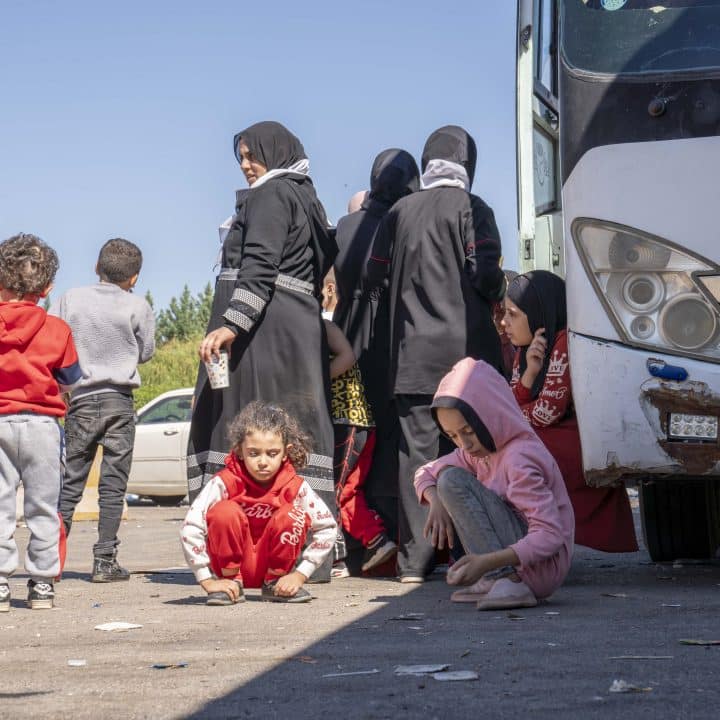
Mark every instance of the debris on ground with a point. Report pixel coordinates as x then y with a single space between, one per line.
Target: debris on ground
641 657
621 686
614 595
306 659
456 675
118 626
698 642
80 662
374 671
168 666
420 669
408 617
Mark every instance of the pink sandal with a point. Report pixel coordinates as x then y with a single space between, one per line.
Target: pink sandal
473 593
506 594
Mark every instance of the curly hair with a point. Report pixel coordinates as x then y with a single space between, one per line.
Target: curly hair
266 417
27 265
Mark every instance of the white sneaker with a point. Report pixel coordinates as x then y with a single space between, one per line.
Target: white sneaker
339 570
412 579
506 594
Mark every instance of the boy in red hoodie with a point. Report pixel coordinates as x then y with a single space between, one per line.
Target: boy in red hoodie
247 527
39 363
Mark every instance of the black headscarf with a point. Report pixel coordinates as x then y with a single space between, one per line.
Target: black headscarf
394 174
541 296
271 143
471 418
454 144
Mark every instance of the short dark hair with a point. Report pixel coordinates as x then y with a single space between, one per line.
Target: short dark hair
27 265
119 260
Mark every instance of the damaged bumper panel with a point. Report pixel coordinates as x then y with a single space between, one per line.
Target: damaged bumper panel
624 414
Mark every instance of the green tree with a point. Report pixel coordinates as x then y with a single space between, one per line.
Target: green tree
205 300
185 317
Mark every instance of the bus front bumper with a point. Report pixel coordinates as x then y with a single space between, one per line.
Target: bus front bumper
624 413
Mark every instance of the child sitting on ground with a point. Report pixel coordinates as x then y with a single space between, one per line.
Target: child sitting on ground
500 489
247 527
535 320
39 363
354 446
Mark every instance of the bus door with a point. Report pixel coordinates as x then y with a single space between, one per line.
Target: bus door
539 216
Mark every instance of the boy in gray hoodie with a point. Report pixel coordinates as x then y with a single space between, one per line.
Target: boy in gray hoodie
114 330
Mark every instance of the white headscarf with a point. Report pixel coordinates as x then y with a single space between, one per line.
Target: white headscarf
297 170
444 173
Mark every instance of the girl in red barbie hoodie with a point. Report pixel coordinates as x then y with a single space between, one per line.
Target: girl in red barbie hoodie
248 525
500 490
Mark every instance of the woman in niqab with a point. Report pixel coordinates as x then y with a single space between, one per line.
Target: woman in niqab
439 252
362 315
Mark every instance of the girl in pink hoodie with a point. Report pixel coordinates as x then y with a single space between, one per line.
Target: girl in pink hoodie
500 489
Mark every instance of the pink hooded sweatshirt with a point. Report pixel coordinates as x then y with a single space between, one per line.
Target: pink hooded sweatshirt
521 471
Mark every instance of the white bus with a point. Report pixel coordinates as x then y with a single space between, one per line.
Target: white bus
618 108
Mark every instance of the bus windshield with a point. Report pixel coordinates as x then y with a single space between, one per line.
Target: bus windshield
641 37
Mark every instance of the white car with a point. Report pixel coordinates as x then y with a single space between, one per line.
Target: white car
161 438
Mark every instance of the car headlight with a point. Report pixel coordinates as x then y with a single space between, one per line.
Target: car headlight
650 288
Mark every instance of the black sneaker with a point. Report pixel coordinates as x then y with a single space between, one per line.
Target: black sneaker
4 597
107 569
379 550
222 598
268 594
40 595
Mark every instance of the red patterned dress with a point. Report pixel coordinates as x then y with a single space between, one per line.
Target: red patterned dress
603 518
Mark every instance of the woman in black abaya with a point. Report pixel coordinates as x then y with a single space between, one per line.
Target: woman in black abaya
362 315
266 311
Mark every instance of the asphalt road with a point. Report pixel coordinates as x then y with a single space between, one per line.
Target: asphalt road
618 617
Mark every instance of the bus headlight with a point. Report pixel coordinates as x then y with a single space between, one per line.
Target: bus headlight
643 292
649 288
688 322
642 327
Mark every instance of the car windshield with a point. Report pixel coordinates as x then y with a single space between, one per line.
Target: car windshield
641 37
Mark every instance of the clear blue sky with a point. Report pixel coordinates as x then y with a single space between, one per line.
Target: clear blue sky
118 118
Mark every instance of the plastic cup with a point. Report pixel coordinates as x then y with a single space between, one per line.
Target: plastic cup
218 371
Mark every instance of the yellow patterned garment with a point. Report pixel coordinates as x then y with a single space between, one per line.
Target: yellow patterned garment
349 406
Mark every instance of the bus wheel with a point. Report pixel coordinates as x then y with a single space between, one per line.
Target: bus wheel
680 518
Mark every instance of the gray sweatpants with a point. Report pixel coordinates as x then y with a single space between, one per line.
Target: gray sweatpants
483 520
31 454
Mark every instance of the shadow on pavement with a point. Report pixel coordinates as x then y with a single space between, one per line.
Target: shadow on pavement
617 617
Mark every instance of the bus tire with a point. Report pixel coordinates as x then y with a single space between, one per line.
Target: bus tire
680 518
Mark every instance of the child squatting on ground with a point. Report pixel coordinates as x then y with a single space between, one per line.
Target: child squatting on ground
500 490
248 525
39 363
114 331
